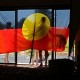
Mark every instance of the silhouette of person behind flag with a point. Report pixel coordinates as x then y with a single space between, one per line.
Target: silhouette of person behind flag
43 24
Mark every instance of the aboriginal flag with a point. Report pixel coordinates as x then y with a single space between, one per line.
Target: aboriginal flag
12 40
31 35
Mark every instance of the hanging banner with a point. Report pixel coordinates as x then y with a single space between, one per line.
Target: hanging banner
35 33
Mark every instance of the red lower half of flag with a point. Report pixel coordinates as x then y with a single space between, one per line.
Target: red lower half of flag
12 40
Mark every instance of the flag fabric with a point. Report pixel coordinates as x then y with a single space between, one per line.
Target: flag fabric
55 40
12 40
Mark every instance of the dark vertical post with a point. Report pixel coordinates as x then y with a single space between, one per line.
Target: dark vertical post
52 56
69 51
32 43
15 36
55 32
33 40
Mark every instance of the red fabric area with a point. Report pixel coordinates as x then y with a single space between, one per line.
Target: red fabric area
12 40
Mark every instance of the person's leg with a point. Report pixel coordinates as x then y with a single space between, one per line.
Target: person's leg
37 57
46 58
6 58
32 60
40 56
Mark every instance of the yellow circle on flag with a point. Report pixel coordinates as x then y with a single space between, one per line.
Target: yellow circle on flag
32 26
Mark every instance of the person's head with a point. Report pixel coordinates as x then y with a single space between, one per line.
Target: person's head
43 19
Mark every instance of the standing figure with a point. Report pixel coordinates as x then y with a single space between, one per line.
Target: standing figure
42 25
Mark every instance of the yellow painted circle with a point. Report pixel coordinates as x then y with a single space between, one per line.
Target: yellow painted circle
34 21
